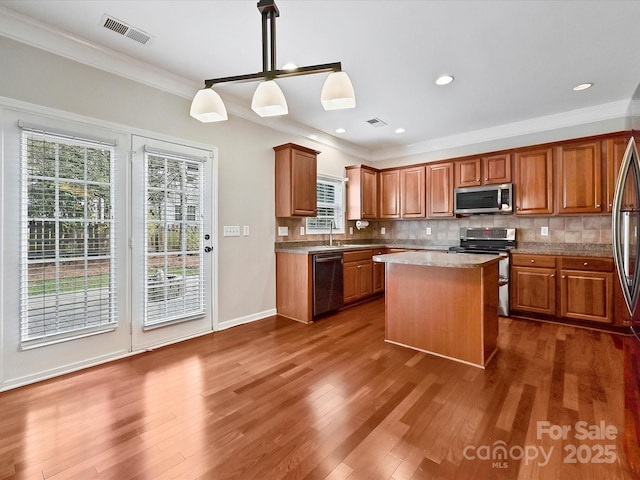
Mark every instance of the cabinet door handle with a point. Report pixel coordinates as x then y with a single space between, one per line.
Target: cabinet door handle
533 261
564 276
611 205
552 275
597 205
585 263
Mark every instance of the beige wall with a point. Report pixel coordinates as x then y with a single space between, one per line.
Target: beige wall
245 165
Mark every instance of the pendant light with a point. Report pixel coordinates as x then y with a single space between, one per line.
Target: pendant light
268 100
207 106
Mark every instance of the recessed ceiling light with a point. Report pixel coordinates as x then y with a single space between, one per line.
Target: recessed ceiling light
400 130
444 80
340 130
582 86
289 66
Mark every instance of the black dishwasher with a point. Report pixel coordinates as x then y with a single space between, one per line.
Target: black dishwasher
327 282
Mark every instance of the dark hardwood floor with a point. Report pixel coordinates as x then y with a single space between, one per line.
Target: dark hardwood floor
278 399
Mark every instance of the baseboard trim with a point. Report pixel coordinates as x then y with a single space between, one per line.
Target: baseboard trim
246 319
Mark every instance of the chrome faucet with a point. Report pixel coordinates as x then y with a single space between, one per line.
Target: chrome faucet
331 234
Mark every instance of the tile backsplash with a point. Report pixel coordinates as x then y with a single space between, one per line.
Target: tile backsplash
588 229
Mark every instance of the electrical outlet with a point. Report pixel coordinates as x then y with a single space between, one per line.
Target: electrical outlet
245 230
231 231
283 231
428 230
350 230
383 230
302 231
544 231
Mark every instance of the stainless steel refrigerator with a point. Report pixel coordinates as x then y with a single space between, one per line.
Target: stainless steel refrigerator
625 224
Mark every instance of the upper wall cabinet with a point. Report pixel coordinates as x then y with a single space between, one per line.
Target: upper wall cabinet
615 148
534 182
389 194
296 178
579 171
362 192
440 190
490 170
412 192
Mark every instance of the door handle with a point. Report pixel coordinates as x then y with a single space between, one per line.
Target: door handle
208 249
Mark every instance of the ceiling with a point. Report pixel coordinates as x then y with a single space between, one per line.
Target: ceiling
513 61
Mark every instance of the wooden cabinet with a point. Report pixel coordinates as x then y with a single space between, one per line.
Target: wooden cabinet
497 169
586 289
614 151
357 275
440 190
468 172
579 185
412 192
296 177
389 194
580 289
378 272
533 284
534 182
362 193
294 286
489 170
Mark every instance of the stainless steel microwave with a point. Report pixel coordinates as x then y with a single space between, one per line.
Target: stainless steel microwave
485 199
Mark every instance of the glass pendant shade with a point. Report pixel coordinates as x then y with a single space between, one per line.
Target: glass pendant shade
268 100
207 106
337 92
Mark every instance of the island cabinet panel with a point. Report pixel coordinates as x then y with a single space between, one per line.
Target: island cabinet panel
294 290
496 169
389 194
423 310
357 274
362 193
440 190
412 192
295 177
615 148
579 185
534 182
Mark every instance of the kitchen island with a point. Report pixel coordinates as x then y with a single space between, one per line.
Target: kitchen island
443 304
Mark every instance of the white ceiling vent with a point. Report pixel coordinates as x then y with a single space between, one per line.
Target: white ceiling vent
128 31
376 122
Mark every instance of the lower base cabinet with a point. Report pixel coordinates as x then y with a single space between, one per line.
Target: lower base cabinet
580 289
358 275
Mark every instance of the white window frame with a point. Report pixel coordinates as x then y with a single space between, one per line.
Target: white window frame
339 207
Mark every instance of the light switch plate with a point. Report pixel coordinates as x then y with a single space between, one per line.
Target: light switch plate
231 231
245 230
301 230
383 230
350 230
283 231
544 231
428 230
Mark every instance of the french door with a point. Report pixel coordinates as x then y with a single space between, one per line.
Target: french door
171 242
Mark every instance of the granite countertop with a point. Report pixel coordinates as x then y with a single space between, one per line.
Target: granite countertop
566 249
305 250
439 259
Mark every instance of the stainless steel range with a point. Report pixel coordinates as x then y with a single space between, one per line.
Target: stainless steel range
496 241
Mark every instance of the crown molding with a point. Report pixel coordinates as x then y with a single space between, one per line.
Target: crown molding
583 116
45 37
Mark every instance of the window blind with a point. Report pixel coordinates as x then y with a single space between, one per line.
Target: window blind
68 262
174 264
329 200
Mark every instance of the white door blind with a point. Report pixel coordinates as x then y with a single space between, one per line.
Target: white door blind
68 264
174 264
